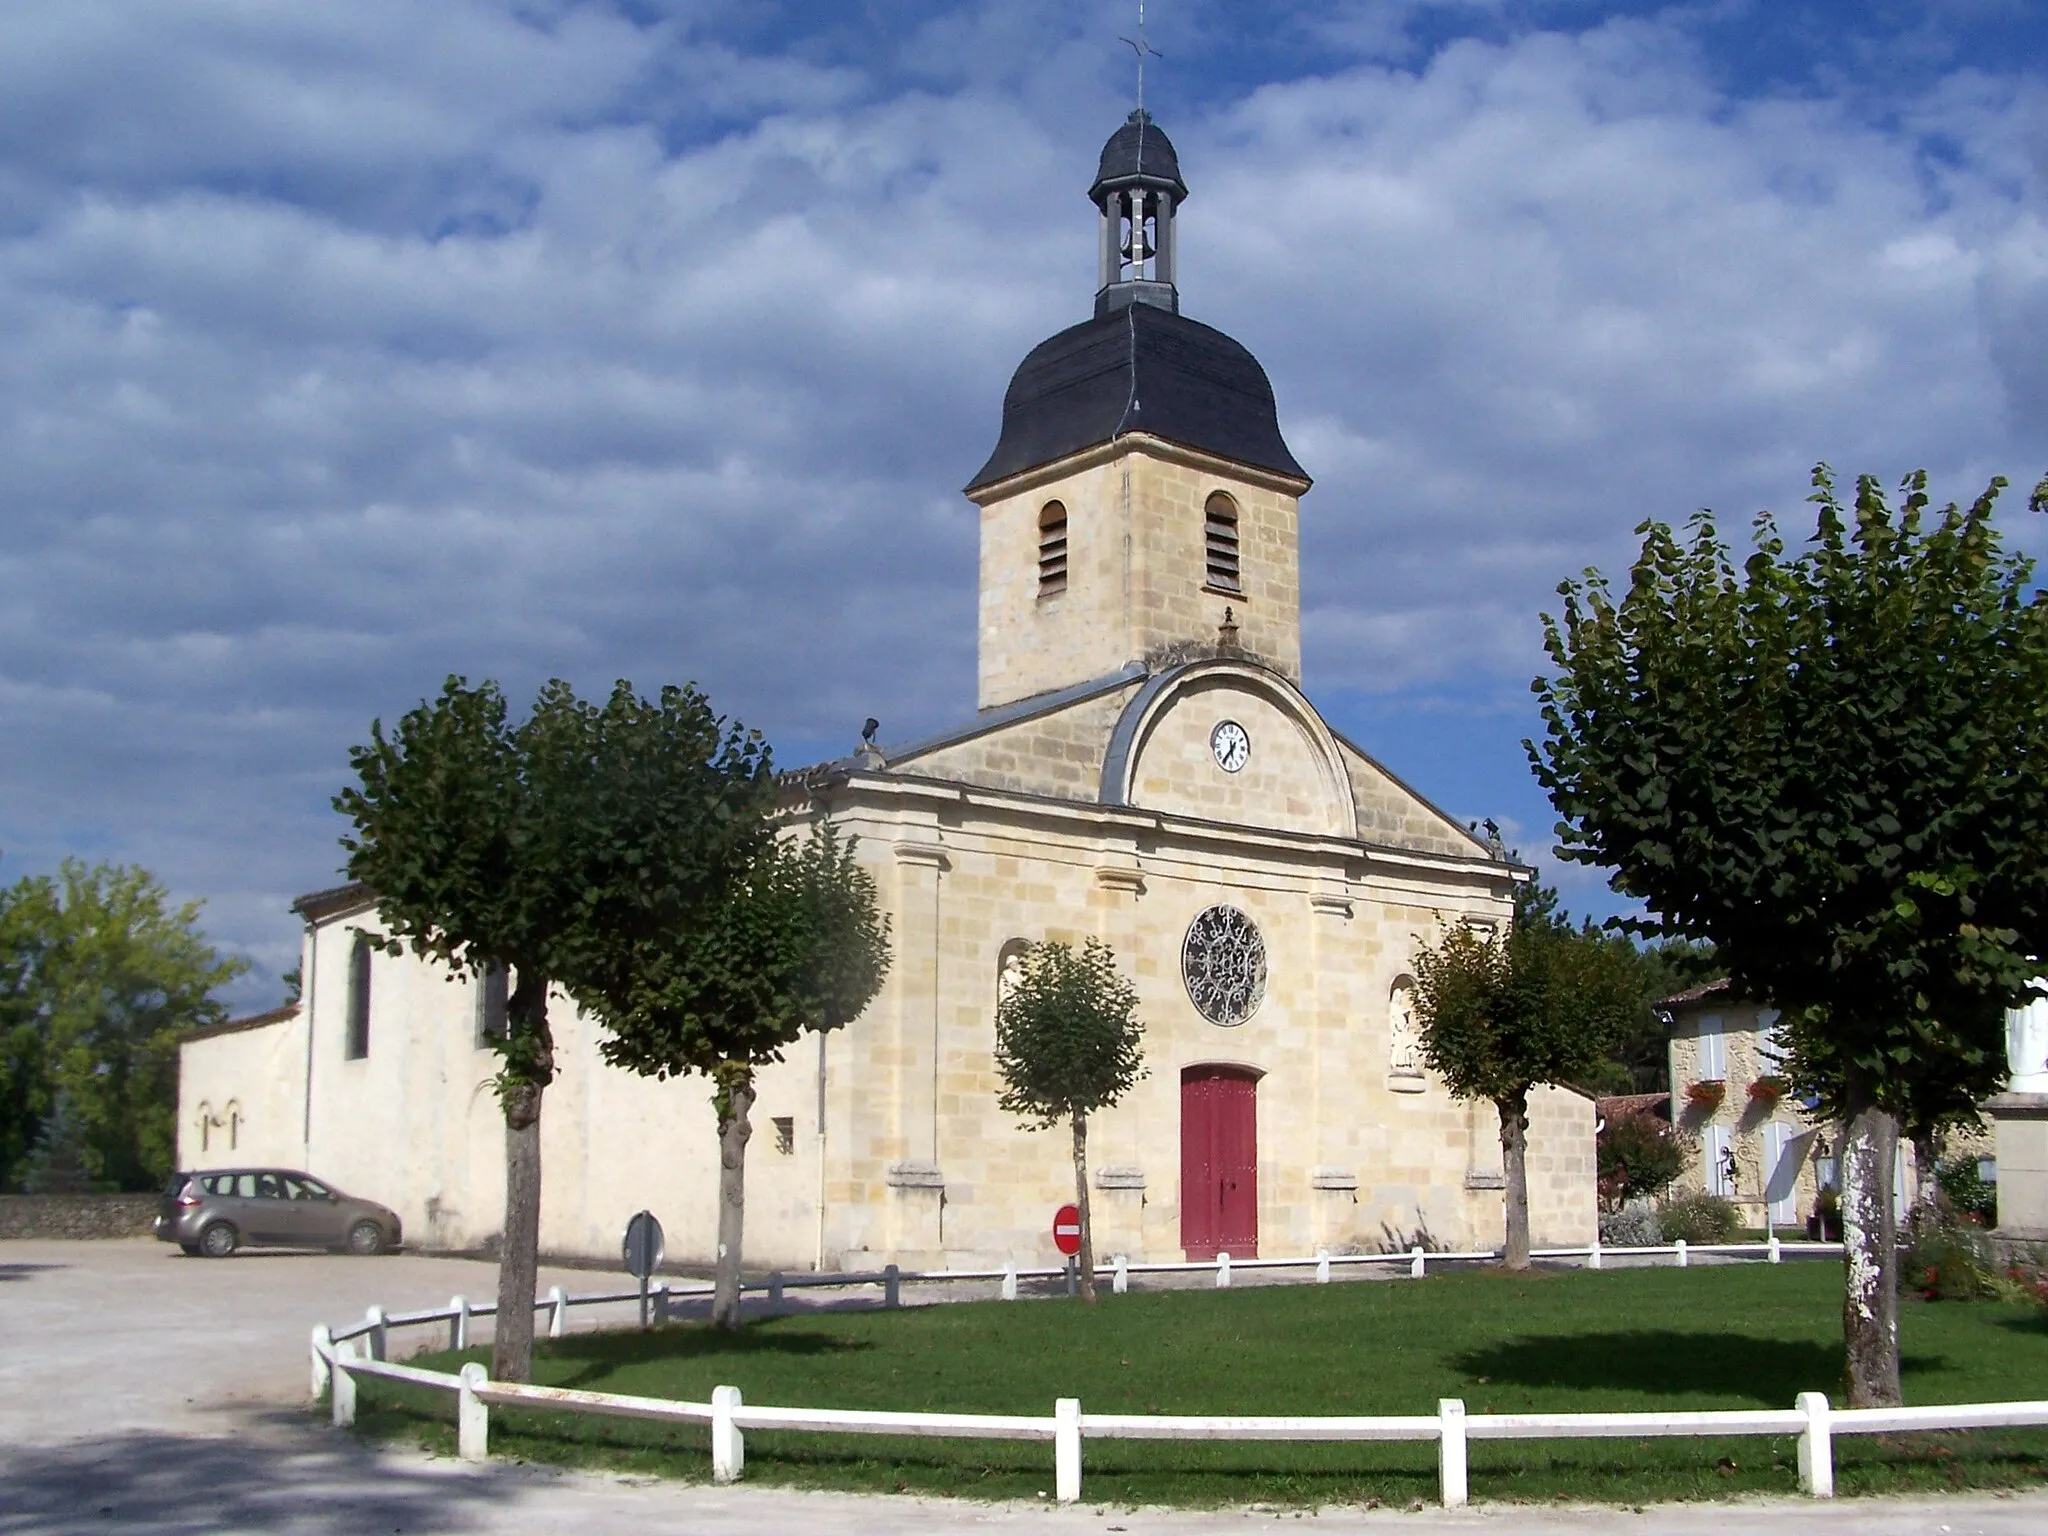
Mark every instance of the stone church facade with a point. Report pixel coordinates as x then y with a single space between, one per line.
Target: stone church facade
1143 768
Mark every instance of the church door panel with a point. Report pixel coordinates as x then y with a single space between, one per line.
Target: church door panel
1219 1162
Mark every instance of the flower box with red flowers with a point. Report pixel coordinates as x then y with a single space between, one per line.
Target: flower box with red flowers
1768 1090
1706 1094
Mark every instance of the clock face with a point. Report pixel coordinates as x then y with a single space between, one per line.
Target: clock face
1233 748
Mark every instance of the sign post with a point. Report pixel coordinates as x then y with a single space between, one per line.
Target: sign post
642 1251
1066 1236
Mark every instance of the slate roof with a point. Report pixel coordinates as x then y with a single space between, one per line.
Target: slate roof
1139 151
1138 369
1712 991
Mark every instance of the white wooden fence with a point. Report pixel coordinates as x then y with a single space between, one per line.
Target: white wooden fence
337 1363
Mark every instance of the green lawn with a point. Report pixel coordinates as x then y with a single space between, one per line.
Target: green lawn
1720 1337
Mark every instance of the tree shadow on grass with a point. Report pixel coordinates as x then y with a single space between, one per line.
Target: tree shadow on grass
599 1355
1667 1361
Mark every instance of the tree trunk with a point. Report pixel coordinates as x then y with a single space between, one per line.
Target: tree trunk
734 1101
1870 1300
529 1068
1087 1259
1514 1150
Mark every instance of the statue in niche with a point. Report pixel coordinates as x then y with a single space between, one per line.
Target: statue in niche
1009 969
1404 1045
2026 1046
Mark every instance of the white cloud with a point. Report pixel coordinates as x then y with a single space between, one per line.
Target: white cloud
350 348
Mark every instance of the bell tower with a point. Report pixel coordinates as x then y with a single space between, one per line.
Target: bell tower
1141 504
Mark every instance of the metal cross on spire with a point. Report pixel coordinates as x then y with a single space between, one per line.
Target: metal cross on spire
1140 47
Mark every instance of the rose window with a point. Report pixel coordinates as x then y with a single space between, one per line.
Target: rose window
1223 961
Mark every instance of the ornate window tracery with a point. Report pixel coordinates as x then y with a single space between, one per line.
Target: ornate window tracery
1223 963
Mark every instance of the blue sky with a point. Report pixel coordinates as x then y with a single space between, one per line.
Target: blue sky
349 346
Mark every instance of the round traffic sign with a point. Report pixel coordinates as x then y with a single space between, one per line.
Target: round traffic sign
1066 1229
642 1247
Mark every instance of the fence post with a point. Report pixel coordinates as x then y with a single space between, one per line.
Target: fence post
1777 1255
1009 1280
323 1341
458 1325
1222 1271
775 1293
1593 1254
343 1400
1121 1282
1322 1266
1450 1451
558 1307
1415 1262
1680 1247
472 1416
378 1340
661 1302
892 1286
728 1445
1066 1449
1816 1447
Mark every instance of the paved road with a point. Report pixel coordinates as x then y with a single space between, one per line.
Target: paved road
143 1391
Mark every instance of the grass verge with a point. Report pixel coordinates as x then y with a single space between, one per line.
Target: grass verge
1577 1341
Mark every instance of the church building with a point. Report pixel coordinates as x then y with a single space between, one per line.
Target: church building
1142 768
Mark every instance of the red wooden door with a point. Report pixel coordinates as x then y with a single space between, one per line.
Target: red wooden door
1219 1162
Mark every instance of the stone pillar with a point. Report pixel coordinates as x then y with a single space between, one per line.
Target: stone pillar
916 1186
1334 1090
2020 1129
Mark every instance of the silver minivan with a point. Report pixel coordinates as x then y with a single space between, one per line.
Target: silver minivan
217 1211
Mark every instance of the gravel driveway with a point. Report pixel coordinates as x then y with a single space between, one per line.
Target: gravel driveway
144 1391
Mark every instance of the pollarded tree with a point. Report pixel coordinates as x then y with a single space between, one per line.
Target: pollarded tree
1828 764
1501 1016
796 945
1068 1043
548 850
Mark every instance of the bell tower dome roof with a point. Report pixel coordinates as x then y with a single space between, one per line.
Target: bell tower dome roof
1139 154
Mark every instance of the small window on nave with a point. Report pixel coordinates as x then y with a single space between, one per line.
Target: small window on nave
356 1045
1220 541
1052 549
493 1005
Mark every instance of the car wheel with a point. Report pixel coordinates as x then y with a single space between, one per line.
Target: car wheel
219 1240
366 1238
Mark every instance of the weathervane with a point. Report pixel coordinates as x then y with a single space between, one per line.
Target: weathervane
1140 47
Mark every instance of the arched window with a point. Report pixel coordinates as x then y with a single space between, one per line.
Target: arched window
1219 519
493 999
356 1045
1052 549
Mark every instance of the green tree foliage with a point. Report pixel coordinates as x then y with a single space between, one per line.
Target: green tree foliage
1639 1157
796 945
100 975
1500 1016
1827 765
553 849
1069 1043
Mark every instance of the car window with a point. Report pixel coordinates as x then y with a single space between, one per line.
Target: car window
269 1187
245 1185
177 1184
303 1189
219 1183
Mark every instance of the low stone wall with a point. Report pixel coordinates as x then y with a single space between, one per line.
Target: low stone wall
73 1216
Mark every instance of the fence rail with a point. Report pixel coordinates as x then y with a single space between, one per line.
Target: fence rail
336 1365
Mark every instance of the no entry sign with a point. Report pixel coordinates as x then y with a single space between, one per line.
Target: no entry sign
1066 1229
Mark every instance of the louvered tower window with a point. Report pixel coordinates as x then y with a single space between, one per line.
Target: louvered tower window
1220 518
1052 549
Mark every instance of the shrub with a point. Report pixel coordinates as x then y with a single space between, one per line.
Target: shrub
1965 1191
1942 1258
1698 1218
1635 1225
1639 1156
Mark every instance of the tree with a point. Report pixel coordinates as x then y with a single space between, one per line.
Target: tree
796 945
1068 1044
1827 765
549 850
1502 1015
100 976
